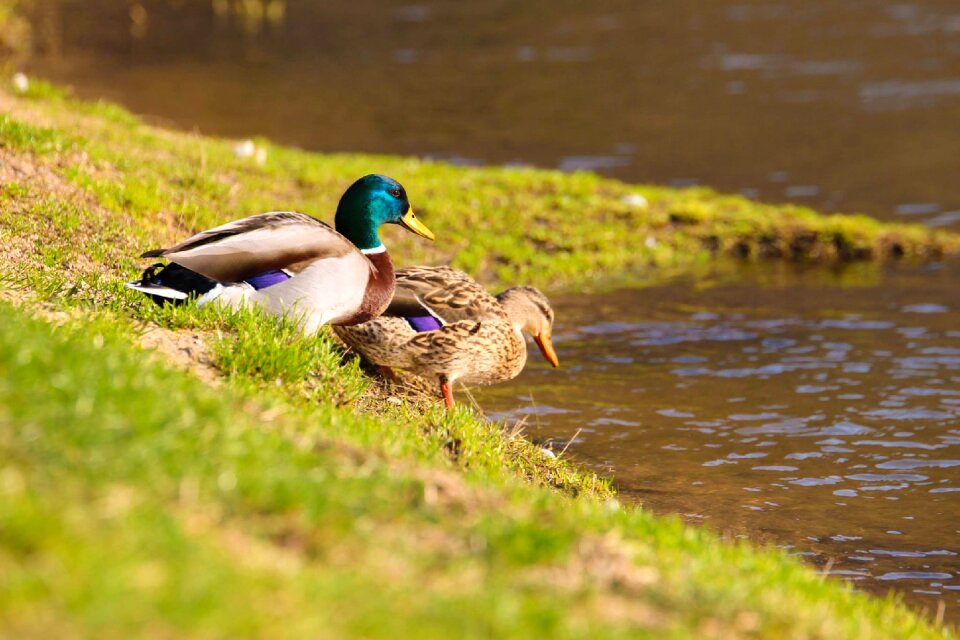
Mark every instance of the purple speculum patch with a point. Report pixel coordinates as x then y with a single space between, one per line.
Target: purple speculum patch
423 323
270 278
267 279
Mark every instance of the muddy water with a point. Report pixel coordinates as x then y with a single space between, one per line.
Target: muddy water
782 406
841 105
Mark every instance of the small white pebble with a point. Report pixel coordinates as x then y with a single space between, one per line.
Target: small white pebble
20 82
245 149
546 453
635 200
394 400
650 242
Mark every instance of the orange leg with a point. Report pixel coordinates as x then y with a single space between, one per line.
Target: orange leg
447 392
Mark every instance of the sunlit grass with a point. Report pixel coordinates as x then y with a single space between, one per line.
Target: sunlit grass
209 512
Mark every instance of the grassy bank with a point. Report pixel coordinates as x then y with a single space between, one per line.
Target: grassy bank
232 479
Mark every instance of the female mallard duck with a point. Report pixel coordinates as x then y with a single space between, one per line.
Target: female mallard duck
442 324
291 263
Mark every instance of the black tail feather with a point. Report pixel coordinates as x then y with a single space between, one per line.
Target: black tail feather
172 277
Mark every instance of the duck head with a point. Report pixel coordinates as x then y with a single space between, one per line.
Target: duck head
372 201
530 312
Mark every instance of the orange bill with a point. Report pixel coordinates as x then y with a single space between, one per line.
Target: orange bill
546 348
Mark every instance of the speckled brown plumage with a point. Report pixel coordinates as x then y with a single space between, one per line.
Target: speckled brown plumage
480 342
444 292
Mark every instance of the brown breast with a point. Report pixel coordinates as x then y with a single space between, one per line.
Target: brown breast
379 290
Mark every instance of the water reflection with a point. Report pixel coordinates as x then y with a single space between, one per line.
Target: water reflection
816 416
837 105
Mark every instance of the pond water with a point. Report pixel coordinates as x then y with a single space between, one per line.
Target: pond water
818 411
844 106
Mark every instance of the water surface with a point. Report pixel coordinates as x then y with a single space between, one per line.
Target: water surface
840 105
783 406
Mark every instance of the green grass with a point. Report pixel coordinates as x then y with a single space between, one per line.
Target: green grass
137 502
274 490
19 136
503 224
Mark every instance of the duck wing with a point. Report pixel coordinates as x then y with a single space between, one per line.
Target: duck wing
445 293
479 352
244 248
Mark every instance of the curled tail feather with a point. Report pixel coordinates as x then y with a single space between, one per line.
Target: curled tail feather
172 284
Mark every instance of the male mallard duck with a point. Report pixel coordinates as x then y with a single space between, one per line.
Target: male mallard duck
443 324
291 263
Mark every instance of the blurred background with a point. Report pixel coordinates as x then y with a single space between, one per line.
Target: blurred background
842 106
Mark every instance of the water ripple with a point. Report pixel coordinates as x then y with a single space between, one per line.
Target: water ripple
918 463
842 420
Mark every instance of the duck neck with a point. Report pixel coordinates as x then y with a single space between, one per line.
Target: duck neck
362 234
358 225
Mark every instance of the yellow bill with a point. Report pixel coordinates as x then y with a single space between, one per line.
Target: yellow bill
409 220
546 348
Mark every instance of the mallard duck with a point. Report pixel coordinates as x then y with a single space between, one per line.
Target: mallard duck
443 325
291 263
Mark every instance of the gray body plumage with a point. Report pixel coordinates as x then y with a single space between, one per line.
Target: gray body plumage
330 278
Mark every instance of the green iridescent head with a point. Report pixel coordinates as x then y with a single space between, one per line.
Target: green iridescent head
372 201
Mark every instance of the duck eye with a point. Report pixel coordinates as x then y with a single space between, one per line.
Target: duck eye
396 193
